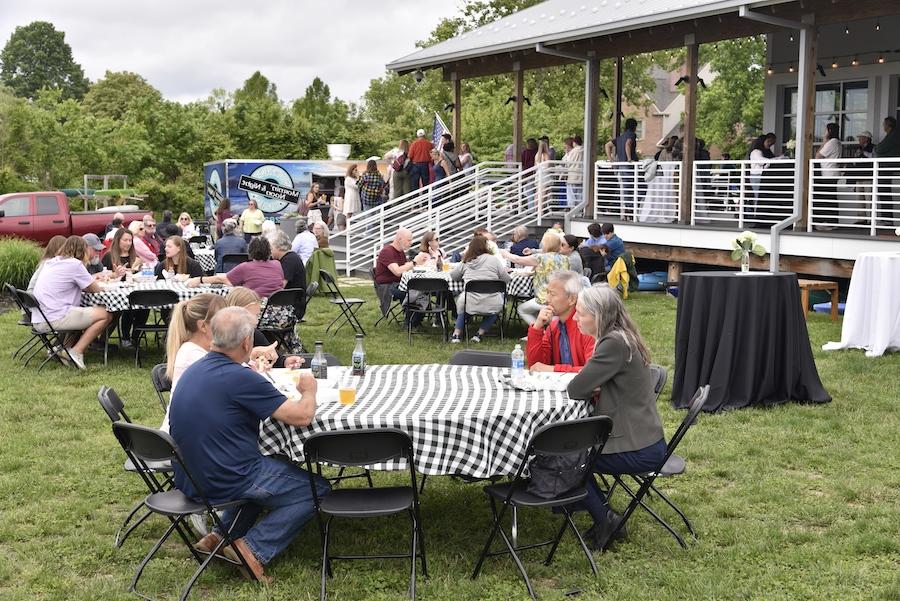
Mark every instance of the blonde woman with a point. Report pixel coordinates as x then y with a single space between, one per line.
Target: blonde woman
263 354
251 221
547 261
188 229
620 368
351 192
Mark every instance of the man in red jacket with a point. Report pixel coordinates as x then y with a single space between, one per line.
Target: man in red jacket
554 341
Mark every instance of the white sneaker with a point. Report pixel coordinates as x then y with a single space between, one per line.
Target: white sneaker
476 338
77 358
455 340
198 521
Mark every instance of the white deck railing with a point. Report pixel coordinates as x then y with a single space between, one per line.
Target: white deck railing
742 193
862 195
621 190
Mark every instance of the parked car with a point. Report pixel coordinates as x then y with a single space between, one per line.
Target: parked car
41 215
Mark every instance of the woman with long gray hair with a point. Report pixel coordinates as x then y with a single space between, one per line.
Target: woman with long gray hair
618 380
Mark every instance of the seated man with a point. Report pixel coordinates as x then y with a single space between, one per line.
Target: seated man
229 243
304 242
591 250
391 264
613 248
214 417
555 343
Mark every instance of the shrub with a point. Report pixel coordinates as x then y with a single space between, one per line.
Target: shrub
18 260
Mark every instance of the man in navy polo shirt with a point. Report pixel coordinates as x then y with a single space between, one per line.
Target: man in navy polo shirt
215 414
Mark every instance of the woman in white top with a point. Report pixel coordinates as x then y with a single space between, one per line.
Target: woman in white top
465 156
189 337
760 154
542 156
351 192
188 229
827 213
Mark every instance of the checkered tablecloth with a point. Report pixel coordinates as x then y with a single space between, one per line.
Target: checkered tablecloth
207 259
519 284
462 419
116 299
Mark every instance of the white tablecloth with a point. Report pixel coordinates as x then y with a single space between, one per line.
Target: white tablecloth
872 315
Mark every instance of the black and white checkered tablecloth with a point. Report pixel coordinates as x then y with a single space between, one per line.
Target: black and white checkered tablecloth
462 419
116 299
519 284
207 258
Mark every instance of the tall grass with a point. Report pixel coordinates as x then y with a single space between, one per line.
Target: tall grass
18 259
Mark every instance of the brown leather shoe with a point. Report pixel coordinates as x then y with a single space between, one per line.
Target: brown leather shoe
255 566
209 542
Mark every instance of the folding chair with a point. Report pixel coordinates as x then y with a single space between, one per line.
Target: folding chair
161 383
149 445
156 476
311 290
360 448
53 340
201 240
391 308
481 358
483 287
667 468
440 289
150 299
512 315
25 321
294 298
348 306
230 261
557 439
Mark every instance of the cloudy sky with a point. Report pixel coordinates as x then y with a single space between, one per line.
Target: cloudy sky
186 48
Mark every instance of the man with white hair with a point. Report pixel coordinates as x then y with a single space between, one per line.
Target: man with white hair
555 343
229 244
305 241
214 417
420 156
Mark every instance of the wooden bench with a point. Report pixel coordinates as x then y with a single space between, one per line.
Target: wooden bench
807 285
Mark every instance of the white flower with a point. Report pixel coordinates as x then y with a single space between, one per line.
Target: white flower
897 231
735 245
790 144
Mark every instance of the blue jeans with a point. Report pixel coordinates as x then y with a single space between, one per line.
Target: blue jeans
631 462
486 323
283 489
418 176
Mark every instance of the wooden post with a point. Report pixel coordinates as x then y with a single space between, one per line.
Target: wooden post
690 128
617 96
674 273
457 110
591 114
519 76
806 70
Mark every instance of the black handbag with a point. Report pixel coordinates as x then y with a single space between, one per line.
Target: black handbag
554 475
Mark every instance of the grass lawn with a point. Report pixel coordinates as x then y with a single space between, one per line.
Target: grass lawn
795 502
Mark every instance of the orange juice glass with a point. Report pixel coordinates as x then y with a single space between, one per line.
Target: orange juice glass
347 395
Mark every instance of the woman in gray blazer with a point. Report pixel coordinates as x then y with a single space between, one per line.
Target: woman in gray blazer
617 378
478 264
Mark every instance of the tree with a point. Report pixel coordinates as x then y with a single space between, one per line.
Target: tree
37 56
256 87
117 92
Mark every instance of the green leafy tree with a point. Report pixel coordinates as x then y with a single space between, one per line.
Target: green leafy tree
117 92
37 56
256 87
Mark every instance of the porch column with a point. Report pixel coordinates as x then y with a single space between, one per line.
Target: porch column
690 127
457 110
591 110
617 96
519 75
806 99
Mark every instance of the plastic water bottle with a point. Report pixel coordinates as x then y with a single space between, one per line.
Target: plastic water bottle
319 366
518 364
146 271
358 359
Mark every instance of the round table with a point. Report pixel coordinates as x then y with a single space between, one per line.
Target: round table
745 336
462 419
872 313
115 296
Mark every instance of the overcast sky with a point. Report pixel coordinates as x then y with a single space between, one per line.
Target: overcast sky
186 48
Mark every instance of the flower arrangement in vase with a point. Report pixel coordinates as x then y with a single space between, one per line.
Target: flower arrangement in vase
742 246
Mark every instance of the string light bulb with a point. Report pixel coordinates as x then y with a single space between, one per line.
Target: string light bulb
834 64
878 25
854 62
791 38
791 69
770 70
880 60
846 30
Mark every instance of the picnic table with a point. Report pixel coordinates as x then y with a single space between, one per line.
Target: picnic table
521 283
114 295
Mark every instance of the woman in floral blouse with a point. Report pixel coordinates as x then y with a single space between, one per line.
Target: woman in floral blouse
371 186
545 262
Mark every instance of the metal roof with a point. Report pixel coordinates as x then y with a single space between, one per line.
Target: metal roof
556 21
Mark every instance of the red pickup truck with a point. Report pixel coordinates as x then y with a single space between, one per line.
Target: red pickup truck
41 215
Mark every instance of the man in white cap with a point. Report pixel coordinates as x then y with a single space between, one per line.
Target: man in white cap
862 177
420 156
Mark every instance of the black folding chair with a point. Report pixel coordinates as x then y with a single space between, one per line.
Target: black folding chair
52 340
34 340
230 261
391 308
361 448
202 240
156 476
295 298
161 383
311 290
659 375
512 314
557 439
481 358
483 287
667 468
152 300
437 306
348 306
149 445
